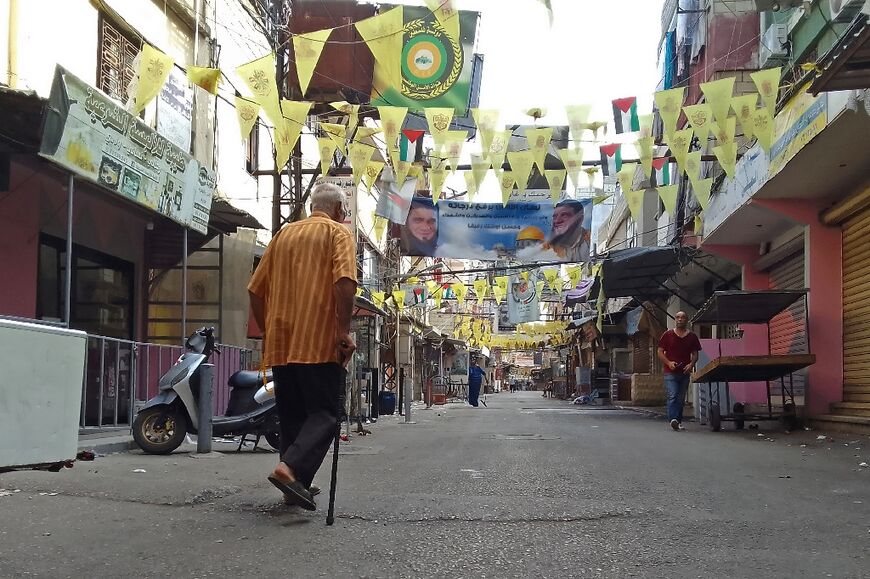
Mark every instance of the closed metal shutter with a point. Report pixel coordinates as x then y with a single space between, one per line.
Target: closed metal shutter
856 308
788 329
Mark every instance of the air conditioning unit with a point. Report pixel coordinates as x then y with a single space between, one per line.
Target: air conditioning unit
774 46
845 10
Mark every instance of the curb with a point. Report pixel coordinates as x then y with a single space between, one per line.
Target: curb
643 410
109 446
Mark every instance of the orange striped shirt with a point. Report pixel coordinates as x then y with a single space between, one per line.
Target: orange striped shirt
296 278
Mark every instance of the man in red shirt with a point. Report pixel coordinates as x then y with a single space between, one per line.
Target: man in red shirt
678 351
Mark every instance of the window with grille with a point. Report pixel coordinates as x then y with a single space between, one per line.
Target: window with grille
252 162
116 54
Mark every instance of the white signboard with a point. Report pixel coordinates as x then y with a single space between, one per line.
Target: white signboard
523 301
751 174
346 184
175 110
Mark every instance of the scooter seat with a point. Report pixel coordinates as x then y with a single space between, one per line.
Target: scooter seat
248 379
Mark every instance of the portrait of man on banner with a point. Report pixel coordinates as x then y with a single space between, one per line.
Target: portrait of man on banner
570 234
419 235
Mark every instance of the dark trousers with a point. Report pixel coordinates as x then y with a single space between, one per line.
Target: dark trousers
473 392
307 401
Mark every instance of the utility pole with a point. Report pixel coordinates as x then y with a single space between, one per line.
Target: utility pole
279 37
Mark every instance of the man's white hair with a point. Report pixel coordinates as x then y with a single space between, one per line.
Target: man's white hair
324 196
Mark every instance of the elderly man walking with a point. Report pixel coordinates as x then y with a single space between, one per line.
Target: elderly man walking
678 351
302 296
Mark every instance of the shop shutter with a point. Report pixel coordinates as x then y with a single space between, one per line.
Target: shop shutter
788 329
856 307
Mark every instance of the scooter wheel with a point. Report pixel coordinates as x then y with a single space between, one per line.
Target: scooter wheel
159 429
274 440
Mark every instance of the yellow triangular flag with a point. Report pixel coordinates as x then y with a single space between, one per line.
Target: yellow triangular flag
539 145
247 112
283 147
634 199
453 143
338 134
205 78
670 103
577 117
437 176
556 179
521 166
553 279
399 298
439 120
378 298
506 181
479 168
383 35
718 93
502 282
590 175
359 291
294 113
392 119
646 125
498 149
154 69
539 288
724 132
486 120
727 155
668 195
352 112
326 148
767 83
470 184
700 118
498 293
524 275
373 170
438 295
363 133
692 166
574 273
480 290
379 225
400 168
359 155
679 143
596 126
625 176
259 77
307 48
573 161
431 287
599 199
762 126
460 290
645 153
447 15
702 192
744 107
699 224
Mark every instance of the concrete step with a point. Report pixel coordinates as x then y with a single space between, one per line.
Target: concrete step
107 442
857 389
851 409
838 423
847 397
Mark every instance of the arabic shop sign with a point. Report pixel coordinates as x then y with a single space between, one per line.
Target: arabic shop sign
90 135
751 175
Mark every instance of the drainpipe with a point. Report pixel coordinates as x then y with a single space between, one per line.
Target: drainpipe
12 46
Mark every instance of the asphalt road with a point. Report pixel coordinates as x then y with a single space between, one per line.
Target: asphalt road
527 487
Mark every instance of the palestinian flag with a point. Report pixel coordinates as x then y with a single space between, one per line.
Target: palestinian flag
611 159
407 149
625 115
661 174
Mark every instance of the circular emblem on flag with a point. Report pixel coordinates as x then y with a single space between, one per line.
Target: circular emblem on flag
431 60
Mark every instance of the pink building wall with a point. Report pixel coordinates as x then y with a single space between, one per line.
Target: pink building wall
37 203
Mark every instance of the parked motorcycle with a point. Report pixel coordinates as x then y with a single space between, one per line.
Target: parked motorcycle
161 425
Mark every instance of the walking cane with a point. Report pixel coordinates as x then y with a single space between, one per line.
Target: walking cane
330 514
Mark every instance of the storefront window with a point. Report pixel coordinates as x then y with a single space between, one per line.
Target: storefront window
102 289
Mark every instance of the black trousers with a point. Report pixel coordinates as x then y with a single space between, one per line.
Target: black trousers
307 401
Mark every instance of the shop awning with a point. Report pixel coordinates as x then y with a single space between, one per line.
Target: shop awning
227 219
846 65
581 293
365 304
639 272
21 121
746 307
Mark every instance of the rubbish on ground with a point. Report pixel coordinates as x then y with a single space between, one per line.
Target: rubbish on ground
86 455
759 434
785 476
821 437
863 465
139 470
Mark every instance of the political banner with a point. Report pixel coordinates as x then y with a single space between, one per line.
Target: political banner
523 301
435 67
522 231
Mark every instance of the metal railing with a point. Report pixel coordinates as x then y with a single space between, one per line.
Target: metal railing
121 375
